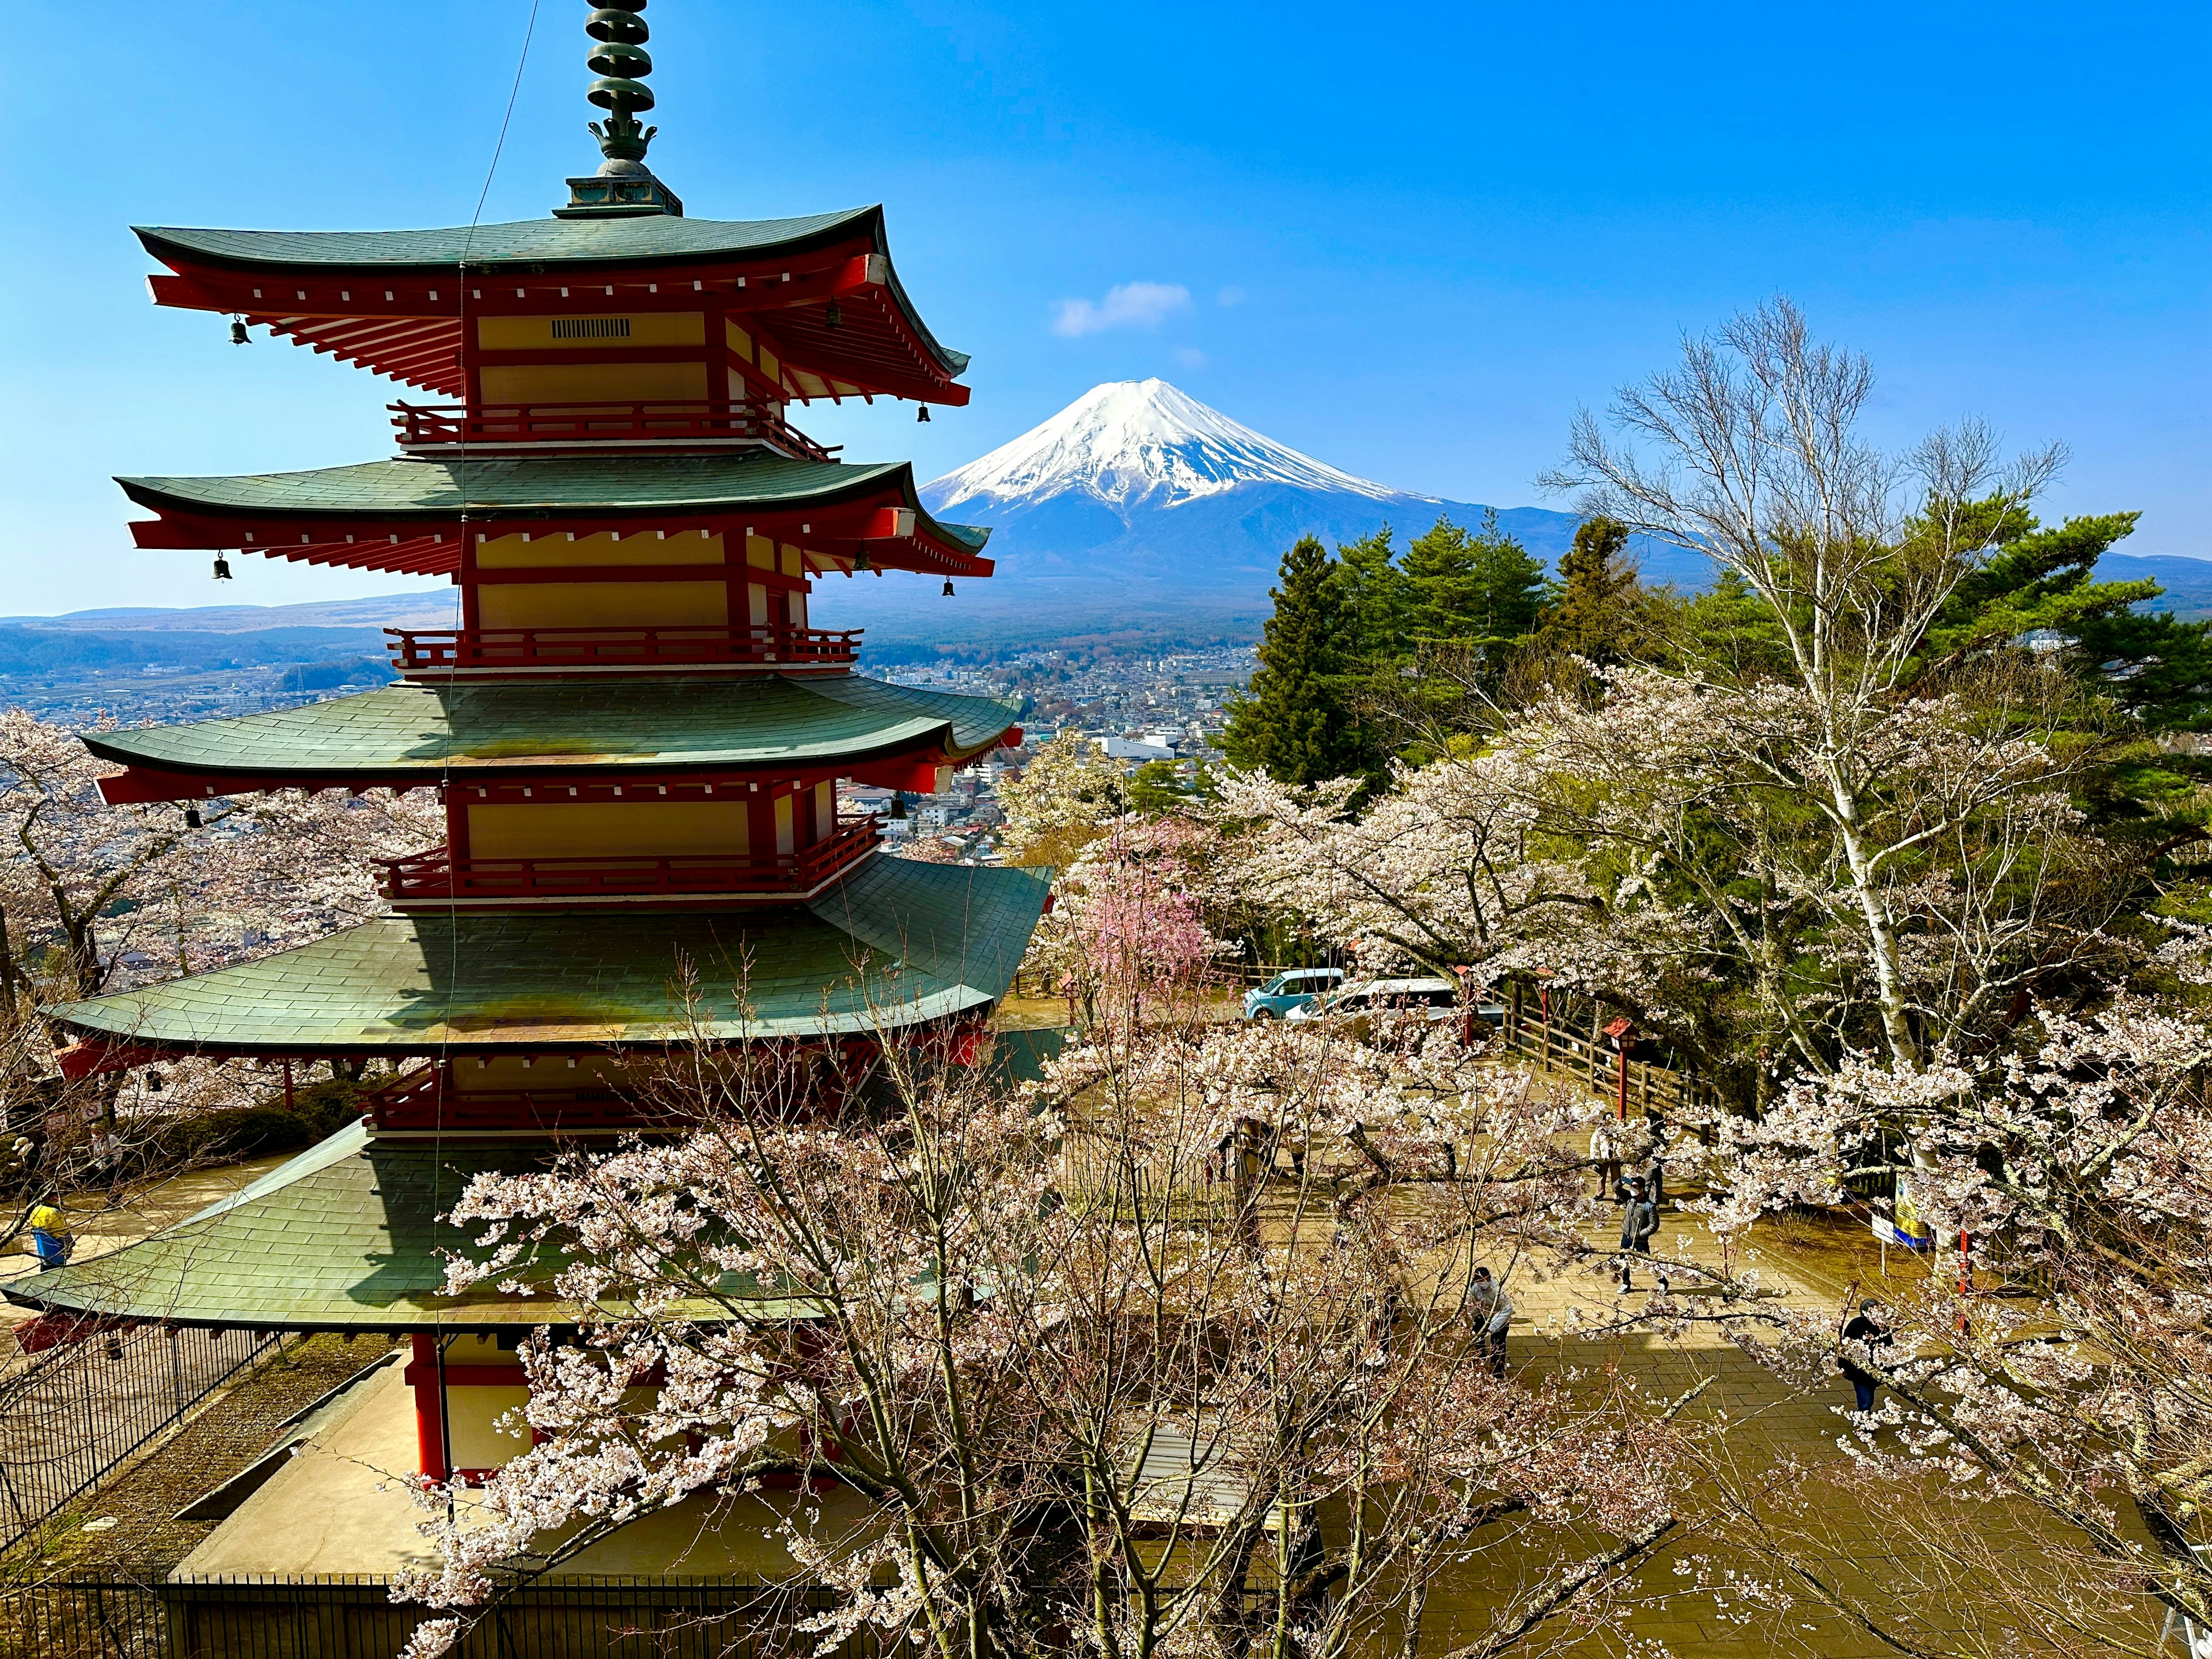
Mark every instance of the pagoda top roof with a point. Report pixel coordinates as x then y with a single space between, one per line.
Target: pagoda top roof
650 238
530 247
529 486
479 730
897 943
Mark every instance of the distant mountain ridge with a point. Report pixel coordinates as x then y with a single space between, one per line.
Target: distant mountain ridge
1139 490
1137 513
428 607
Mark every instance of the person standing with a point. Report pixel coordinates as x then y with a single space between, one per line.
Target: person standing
1489 1317
1605 1153
1868 1330
1637 1223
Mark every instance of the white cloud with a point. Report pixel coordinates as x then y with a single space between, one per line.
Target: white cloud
1127 305
1232 296
1190 357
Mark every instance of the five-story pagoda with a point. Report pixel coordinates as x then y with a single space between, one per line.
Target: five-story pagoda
636 730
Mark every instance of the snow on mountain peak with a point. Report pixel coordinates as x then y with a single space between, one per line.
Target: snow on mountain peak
1132 440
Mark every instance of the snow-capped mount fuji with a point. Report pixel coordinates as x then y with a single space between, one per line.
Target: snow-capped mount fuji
1139 510
1141 442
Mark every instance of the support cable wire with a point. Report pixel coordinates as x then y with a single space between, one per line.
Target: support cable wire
445 771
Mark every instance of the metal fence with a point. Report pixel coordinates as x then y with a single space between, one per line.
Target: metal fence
357 1618
78 1409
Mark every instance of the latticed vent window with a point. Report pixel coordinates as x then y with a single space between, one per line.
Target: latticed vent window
591 328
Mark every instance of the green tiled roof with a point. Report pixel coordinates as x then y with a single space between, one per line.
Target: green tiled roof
540 241
345 1236
896 942
418 733
442 490
649 240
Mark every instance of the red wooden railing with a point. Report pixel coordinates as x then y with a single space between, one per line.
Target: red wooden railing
422 1099
435 877
428 425
417 651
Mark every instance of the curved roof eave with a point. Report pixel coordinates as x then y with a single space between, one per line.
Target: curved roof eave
646 241
410 733
633 483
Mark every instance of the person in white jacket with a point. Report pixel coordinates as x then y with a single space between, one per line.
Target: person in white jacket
1489 1316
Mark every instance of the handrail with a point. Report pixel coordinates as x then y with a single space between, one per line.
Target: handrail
436 875
591 422
417 650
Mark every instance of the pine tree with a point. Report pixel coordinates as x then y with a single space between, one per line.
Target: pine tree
1295 722
1472 601
1377 599
1588 615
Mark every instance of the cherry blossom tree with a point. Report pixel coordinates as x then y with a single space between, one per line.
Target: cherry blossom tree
1163 1356
1066 792
1128 932
95 896
1783 845
2051 1359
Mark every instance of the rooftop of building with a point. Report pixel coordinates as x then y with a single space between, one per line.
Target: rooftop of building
473 731
893 945
528 486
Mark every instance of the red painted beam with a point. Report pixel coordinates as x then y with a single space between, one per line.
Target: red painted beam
98 1056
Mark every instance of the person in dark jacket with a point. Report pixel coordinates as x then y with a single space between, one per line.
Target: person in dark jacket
1866 1327
1489 1313
1637 1223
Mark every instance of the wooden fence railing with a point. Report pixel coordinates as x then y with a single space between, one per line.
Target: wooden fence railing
1567 1036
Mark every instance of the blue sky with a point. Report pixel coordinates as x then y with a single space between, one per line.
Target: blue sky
1412 239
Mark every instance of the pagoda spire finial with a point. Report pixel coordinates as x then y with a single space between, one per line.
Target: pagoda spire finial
623 186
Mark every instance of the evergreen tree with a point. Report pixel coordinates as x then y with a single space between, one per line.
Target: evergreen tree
1377 599
1477 592
1296 721
1588 613
2041 583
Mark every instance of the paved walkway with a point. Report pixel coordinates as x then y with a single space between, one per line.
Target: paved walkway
1843 1519
103 1225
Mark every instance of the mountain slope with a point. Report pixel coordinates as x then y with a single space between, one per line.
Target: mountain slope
1133 442
1137 508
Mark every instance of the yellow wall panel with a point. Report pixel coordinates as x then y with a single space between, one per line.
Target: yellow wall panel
590 828
760 552
593 383
553 551
794 562
611 604
739 341
472 1414
640 328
